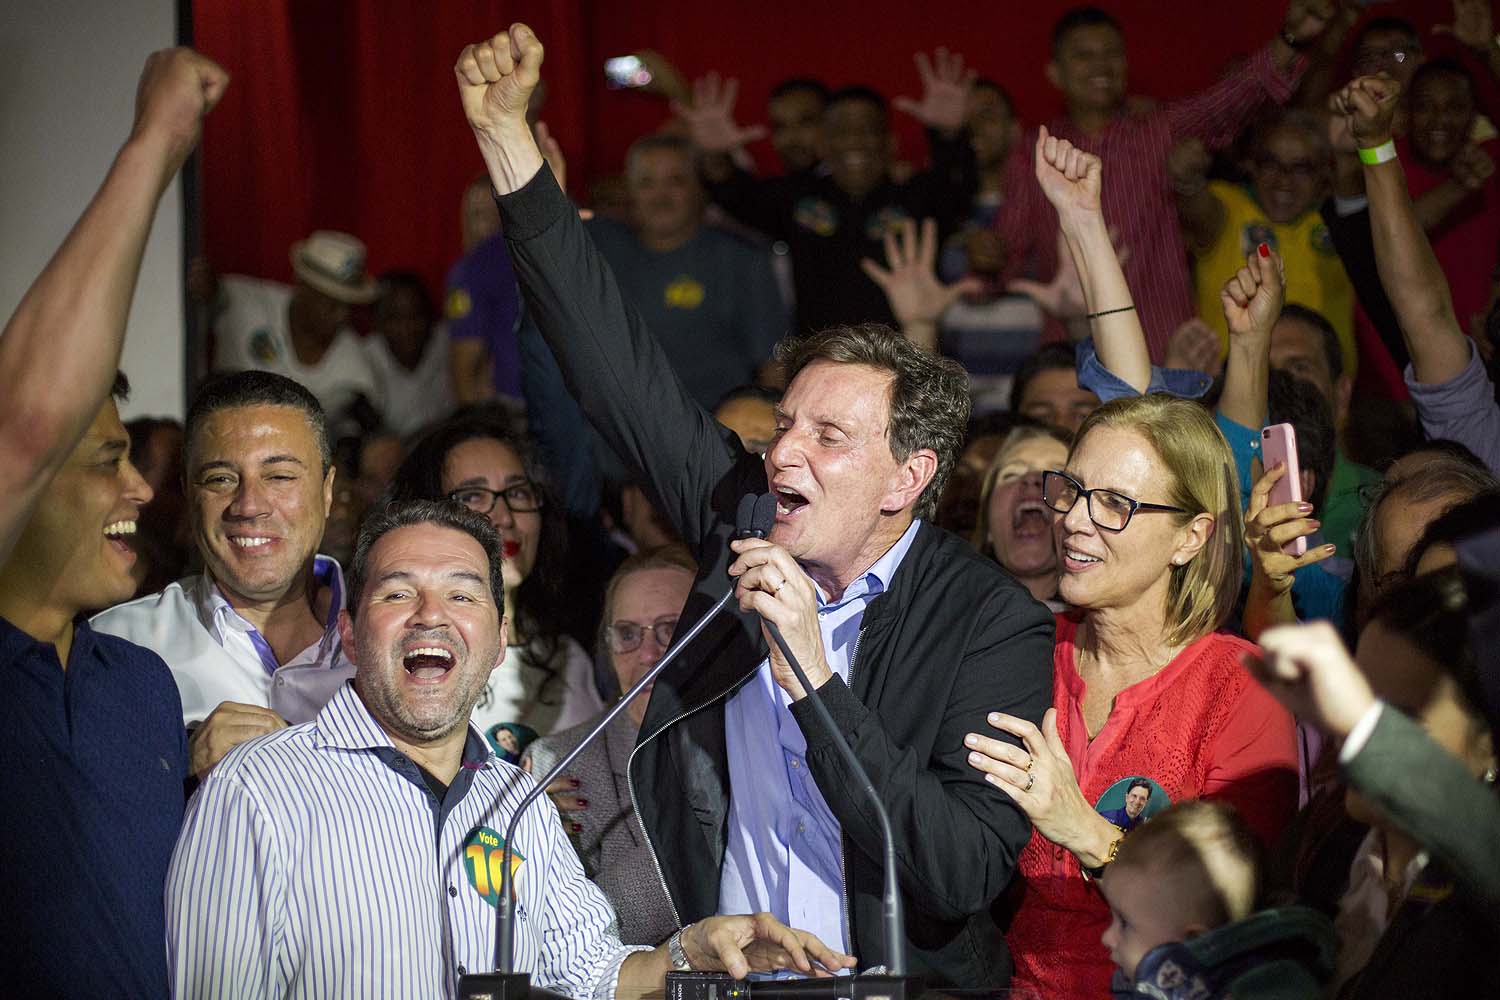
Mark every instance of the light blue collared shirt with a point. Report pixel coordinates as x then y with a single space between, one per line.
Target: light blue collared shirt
784 854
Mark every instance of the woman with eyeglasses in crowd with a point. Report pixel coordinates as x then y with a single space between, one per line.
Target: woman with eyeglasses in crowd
1149 535
641 604
476 458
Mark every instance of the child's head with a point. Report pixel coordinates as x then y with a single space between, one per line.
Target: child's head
1190 869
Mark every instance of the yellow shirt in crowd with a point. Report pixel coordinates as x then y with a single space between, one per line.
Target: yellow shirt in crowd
1314 275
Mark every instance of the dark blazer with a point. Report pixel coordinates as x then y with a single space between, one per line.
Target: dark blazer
611 845
1428 793
953 638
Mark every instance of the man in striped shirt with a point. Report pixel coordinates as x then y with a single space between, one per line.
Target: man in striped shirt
1088 66
358 855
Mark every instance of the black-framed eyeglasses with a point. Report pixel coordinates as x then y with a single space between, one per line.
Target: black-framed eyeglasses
1109 510
522 498
626 637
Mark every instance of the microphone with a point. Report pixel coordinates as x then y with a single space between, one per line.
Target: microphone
895 978
753 519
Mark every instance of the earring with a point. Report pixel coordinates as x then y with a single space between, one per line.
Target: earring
1490 775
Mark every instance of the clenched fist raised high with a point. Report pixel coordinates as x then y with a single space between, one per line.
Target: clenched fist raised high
178 88
495 80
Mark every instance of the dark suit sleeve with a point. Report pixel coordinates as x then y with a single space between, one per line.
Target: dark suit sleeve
1356 249
1428 793
957 837
609 360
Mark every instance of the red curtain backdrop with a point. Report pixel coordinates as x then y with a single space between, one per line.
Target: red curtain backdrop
344 114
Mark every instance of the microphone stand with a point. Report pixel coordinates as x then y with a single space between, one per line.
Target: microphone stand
754 517
894 983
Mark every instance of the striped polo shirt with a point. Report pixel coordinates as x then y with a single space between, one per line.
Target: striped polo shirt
315 862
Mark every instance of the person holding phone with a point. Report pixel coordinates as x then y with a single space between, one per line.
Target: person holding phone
1146 517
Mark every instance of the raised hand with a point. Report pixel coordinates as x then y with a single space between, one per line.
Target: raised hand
1306 668
1070 178
1269 529
1061 297
1368 104
909 280
1306 20
946 83
496 78
1252 298
552 153
1187 165
1473 24
1195 346
1472 167
710 117
178 87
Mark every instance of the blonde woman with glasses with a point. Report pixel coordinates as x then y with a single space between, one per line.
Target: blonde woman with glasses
1146 520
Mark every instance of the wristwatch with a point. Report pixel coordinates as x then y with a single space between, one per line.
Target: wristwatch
679 957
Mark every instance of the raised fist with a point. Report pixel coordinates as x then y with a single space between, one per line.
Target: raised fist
1069 177
1187 165
496 78
178 87
1252 298
1368 104
1472 168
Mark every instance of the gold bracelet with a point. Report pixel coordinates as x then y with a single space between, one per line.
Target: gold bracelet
1089 874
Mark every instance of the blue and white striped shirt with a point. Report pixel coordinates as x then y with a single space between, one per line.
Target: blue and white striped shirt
310 866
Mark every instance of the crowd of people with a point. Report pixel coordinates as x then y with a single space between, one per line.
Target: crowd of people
1157 705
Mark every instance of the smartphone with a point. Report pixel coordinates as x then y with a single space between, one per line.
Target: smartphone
1278 446
626 71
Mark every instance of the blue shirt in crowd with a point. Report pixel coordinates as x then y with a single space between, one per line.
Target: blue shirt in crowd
92 765
484 303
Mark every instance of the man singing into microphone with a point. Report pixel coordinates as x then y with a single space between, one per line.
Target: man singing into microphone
909 637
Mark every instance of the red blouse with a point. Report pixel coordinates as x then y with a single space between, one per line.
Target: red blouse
1200 728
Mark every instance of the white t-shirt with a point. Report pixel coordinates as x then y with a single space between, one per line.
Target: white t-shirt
410 400
253 332
514 692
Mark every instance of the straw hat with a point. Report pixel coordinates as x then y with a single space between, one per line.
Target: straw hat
334 264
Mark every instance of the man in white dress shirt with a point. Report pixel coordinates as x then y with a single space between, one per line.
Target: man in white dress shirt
356 855
252 641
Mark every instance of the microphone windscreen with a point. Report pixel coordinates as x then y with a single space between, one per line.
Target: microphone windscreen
744 517
764 517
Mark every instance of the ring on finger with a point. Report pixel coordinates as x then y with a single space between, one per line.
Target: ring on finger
1030 781
1030 763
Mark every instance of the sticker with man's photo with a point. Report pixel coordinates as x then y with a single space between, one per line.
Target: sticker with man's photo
1132 801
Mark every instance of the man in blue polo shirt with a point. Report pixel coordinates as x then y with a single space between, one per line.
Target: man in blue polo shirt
92 752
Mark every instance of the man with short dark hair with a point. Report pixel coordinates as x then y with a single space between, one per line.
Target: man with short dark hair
261 889
1088 67
1046 389
910 637
252 640
795 110
92 752
1133 812
833 218
708 295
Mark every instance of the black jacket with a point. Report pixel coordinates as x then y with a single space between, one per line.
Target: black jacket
953 638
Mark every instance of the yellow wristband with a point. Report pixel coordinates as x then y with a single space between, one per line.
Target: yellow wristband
1383 153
